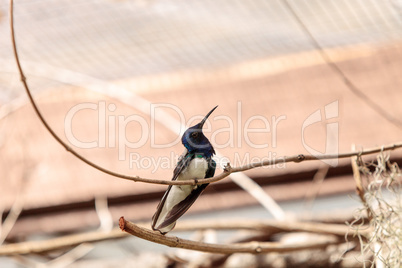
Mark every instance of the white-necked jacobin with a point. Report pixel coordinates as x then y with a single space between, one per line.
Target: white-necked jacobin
194 164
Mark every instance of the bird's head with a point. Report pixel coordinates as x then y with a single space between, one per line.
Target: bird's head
195 141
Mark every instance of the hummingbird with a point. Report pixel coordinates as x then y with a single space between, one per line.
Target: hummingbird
194 164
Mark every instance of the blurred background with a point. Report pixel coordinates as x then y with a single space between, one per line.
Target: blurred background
120 80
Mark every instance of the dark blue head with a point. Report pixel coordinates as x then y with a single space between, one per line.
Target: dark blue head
195 141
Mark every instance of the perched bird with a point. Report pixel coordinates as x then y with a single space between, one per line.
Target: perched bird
194 164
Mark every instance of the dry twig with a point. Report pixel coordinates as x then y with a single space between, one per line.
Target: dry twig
30 247
317 182
266 226
382 201
249 247
359 184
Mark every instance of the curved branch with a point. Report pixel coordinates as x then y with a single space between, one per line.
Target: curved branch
228 170
254 247
265 226
68 241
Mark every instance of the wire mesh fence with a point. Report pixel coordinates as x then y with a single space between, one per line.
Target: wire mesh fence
120 39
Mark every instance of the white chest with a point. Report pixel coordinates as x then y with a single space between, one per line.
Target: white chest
195 170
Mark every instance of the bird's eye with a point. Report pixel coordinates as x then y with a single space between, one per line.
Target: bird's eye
194 134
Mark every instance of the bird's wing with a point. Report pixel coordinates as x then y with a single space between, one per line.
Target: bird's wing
184 205
181 165
184 161
211 168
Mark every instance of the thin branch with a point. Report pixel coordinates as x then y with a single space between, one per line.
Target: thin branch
255 190
228 170
11 219
71 256
314 190
271 226
62 242
266 226
19 201
254 247
359 185
26 261
286 159
104 214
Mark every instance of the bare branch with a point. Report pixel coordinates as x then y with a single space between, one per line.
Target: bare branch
12 217
71 256
30 247
271 226
318 179
359 185
296 159
256 191
104 215
254 247
266 226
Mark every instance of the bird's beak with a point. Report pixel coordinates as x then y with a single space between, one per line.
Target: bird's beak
206 117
